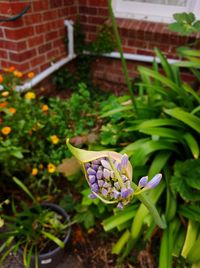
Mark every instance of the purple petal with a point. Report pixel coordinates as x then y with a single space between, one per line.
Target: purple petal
143 181
124 178
91 171
106 184
106 173
95 167
99 174
117 186
106 164
120 205
126 192
112 174
116 194
87 165
100 183
119 167
92 196
96 162
104 192
124 160
95 187
92 178
154 181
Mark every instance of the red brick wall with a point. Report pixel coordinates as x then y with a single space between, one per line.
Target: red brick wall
138 37
32 42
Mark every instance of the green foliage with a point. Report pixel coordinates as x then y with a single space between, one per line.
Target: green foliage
186 23
33 133
186 179
33 230
161 134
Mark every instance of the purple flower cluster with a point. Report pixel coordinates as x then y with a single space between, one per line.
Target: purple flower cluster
110 183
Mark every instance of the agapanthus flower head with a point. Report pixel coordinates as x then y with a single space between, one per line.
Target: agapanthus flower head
109 174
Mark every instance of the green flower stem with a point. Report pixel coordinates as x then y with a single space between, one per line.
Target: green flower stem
150 206
119 45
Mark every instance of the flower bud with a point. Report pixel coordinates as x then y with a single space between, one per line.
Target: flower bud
109 174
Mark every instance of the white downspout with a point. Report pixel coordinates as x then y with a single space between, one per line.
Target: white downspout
136 57
55 66
130 56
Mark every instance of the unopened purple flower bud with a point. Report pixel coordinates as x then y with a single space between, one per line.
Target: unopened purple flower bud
106 164
106 173
92 178
95 167
96 162
143 181
120 205
119 167
116 194
95 187
126 192
87 165
112 174
92 196
100 183
104 192
117 186
124 160
154 181
91 171
106 184
124 178
99 174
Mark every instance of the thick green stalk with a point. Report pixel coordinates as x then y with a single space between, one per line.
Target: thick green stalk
150 206
119 45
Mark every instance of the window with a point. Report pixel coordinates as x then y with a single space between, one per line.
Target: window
154 10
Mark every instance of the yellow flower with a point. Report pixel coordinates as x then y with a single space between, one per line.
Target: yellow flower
34 172
1 78
18 74
5 93
45 108
30 95
51 168
41 166
31 75
6 130
12 110
54 139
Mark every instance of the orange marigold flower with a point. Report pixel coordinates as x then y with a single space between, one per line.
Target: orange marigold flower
51 168
31 75
34 172
1 78
6 130
18 74
3 104
54 139
5 93
45 108
11 69
12 110
30 95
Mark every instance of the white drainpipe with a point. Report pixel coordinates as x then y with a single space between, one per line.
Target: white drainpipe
55 66
136 57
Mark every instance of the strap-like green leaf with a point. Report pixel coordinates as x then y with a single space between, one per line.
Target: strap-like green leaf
187 118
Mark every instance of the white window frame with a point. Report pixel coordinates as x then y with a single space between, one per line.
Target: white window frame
152 12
